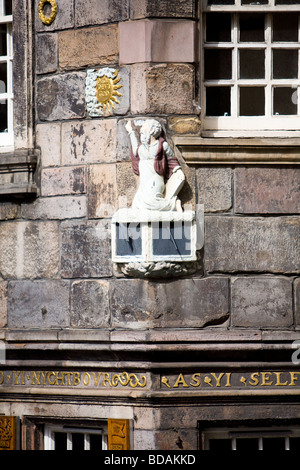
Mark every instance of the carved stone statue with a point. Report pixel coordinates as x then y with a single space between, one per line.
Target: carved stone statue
161 177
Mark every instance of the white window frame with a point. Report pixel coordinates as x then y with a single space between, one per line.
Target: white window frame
50 430
256 126
259 433
7 138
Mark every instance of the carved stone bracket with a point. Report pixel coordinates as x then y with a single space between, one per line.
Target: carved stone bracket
160 269
154 244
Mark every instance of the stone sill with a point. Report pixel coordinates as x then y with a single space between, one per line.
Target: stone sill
156 337
199 150
17 171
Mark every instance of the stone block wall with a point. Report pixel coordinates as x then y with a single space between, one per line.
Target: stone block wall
55 258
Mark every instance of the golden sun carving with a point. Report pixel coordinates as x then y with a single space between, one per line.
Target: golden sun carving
106 90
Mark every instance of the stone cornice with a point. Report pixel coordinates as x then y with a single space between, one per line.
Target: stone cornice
198 150
20 165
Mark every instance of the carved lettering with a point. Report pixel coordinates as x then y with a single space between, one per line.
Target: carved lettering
38 378
220 380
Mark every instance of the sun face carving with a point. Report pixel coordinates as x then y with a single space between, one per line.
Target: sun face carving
102 91
106 90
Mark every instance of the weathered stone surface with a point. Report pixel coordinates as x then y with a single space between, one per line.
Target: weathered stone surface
92 141
186 439
8 210
29 250
123 142
102 189
297 301
161 8
157 41
184 125
262 302
85 249
48 140
64 207
90 304
64 18
214 188
3 304
38 304
162 89
96 45
144 440
185 303
89 13
63 180
61 97
46 53
267 190
127 184
252 244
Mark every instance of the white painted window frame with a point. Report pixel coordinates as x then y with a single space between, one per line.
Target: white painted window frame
7 138
256 126
50 430
233 434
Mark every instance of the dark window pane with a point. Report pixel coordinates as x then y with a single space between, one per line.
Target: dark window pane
8 7
256 2
252 27
220 2
3 48
294 443
218 101
285 101
247 444
60 441
220 444
218 27
252 101
287 2
274 443
252 63
95 442
3 116
171 238
129 241
3 78
285 27
217 64
285 63
77 441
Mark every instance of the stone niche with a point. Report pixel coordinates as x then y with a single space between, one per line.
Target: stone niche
157 243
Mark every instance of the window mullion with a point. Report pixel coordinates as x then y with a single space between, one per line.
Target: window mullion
235 67
268 66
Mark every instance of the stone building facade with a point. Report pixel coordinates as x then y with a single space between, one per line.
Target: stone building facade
167 363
